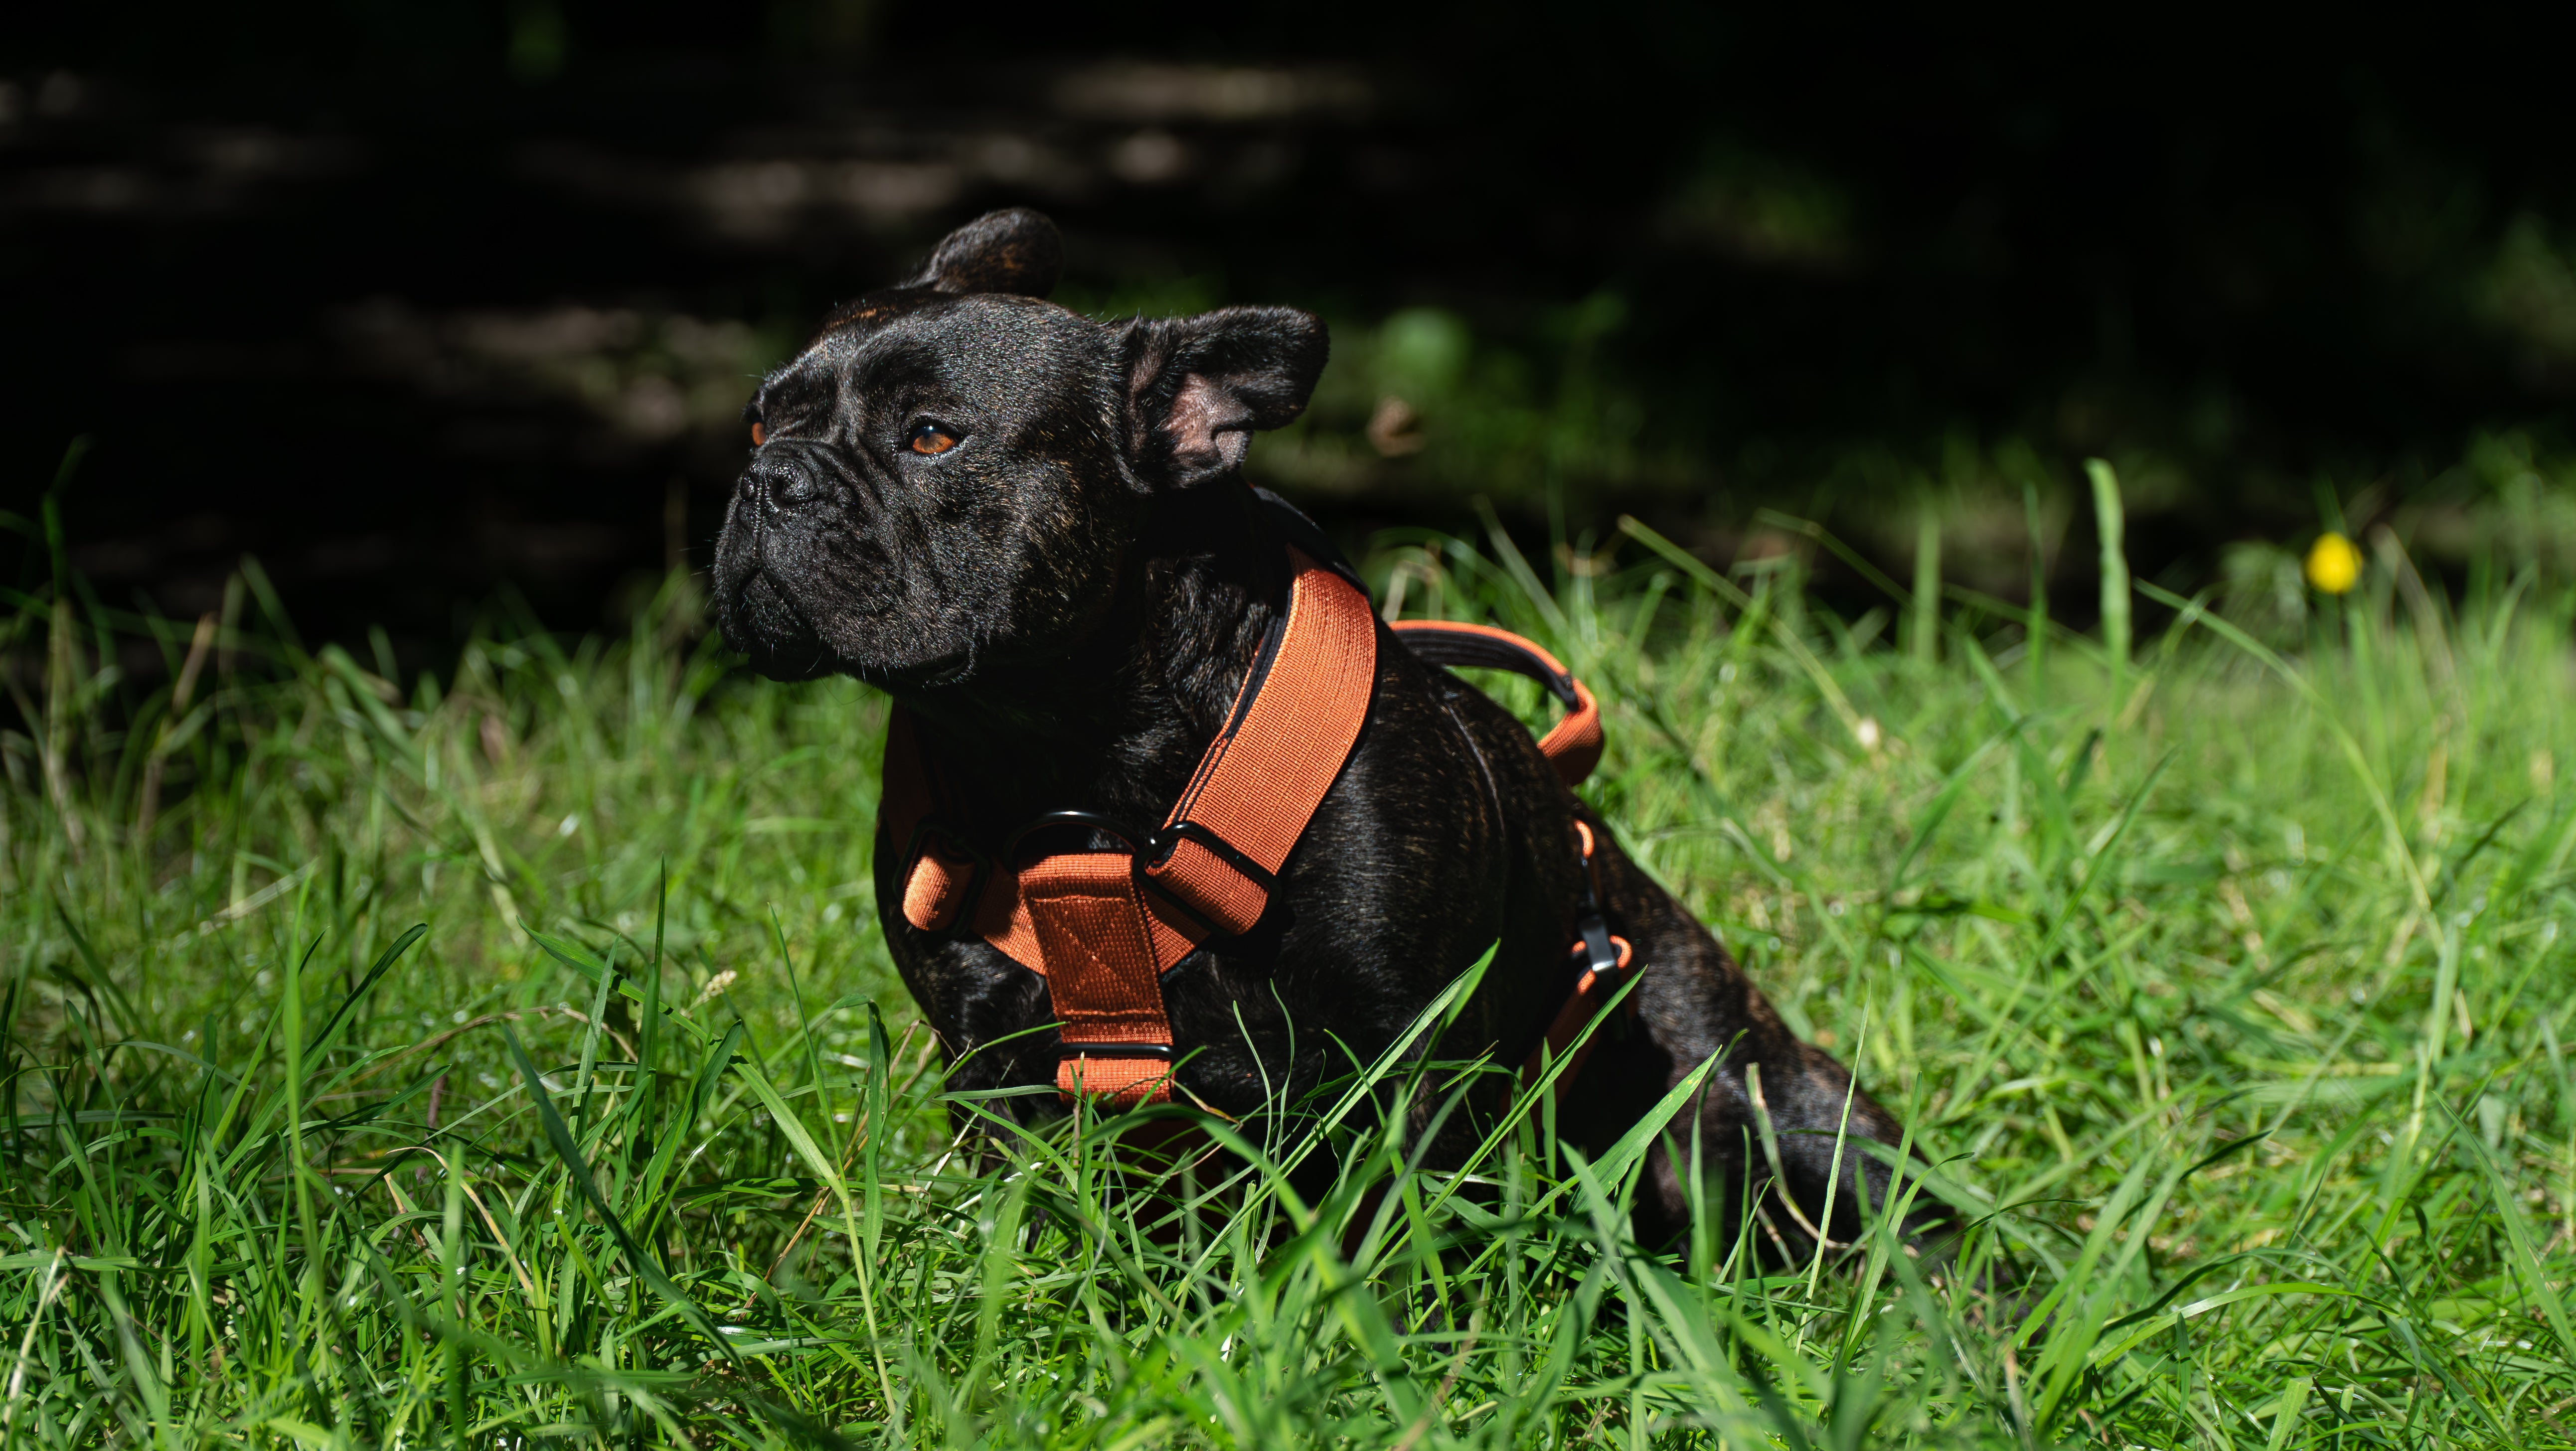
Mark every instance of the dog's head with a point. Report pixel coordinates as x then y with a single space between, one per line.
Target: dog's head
951 475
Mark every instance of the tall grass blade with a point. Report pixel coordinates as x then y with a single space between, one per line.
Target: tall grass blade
559 1138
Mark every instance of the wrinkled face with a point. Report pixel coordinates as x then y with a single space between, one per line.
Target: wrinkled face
951 476
936 489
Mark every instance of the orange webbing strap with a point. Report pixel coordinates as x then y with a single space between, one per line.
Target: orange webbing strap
1262 778
1591 996
944 876
1102 974
1102 927
940 871
1604 959
1573 746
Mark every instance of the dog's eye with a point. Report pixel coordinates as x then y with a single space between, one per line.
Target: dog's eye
933 438
759 435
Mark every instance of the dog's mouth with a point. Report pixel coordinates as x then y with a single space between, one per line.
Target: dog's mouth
765 624
908 679
783 642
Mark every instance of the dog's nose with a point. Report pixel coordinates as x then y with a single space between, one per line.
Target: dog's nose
781 485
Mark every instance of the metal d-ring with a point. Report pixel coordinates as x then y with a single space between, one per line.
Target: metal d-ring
1137 841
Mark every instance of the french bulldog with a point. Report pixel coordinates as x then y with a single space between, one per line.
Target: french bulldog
1031 529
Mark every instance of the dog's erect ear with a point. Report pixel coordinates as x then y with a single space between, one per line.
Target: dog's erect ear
1198 386
1007 251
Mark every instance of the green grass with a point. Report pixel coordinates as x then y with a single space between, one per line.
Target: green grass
2226 988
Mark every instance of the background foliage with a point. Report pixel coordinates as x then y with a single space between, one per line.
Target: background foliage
420 301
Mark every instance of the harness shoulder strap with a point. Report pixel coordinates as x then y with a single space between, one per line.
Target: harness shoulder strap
1261 780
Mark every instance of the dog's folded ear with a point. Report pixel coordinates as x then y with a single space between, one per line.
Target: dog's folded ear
1197 387
1016 250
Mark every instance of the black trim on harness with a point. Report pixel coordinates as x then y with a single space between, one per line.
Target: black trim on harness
1292 526
1262 659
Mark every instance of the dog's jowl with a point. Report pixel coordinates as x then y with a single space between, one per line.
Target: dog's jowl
1161 788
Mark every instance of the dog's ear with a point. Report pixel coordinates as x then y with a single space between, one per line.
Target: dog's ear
1198 386
1017 250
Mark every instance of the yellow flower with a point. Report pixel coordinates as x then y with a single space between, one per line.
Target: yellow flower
2333 564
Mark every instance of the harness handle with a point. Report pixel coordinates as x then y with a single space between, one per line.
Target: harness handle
1573 745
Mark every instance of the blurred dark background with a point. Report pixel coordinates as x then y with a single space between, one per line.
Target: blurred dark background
419 303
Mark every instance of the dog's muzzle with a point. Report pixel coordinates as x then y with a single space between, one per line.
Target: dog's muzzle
784 477
756 608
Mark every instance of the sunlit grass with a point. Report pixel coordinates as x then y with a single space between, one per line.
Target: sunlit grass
2226 989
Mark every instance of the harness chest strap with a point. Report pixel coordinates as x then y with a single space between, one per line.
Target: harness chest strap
1103 926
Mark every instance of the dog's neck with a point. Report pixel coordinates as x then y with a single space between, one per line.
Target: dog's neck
1117 724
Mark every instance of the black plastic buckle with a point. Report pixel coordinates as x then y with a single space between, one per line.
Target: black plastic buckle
1602 957
1602 954
1150 848
1163 843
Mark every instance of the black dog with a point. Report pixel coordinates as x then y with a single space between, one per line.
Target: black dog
1029 528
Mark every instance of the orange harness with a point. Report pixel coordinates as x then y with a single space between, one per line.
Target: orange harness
1102 927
